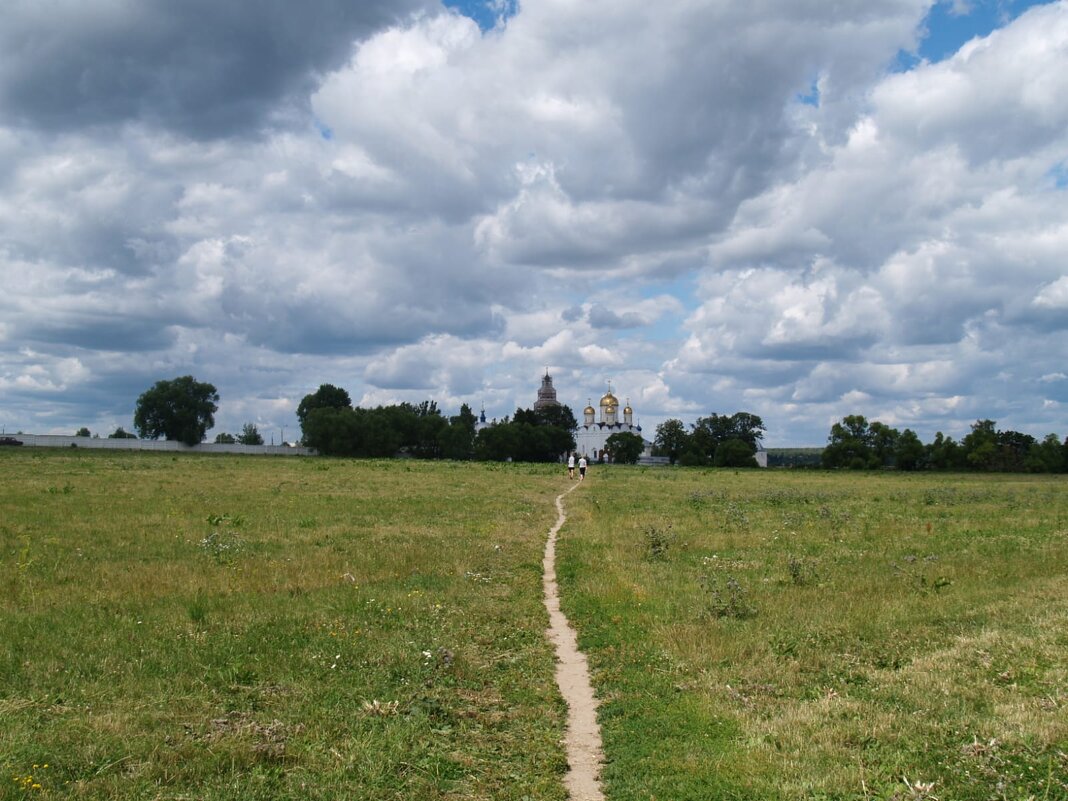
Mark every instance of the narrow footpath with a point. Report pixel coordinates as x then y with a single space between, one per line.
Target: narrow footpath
583 740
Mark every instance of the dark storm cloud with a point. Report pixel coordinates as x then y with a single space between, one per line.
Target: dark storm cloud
203 67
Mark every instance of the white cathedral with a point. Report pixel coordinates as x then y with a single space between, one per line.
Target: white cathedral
592 434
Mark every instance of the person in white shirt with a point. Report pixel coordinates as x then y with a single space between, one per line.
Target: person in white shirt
571 465
582 468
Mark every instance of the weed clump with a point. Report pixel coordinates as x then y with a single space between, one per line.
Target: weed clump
728 598
802 571
701 499
657 542
222 545
737 518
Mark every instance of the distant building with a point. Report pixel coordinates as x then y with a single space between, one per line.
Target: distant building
481 422
546 394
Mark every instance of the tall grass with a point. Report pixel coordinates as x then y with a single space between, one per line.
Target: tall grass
230 627
778 635
234 627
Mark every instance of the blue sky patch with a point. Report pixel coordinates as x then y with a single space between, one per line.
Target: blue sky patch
1059 174
951 23
484 12
812 96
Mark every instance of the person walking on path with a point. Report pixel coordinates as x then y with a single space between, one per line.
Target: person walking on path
582 468
571 465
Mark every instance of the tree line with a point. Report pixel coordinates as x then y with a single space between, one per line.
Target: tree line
183 409
334 427
856 444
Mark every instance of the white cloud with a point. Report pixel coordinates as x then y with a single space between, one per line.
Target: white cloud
409 208
1053 295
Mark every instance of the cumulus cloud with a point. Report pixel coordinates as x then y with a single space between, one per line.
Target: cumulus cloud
203 68
1053 295
726 206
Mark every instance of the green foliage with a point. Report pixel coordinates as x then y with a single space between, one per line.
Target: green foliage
734 453
326 397
693 458
624 447
120 433
559 416
709 432
728 598
658 539
385 431
181 409
222 438
457 439
854 443
698 447
943 453
250 435
83 432
671 439
908 451
528 437
850 445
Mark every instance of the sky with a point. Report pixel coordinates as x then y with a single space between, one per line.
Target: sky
794 208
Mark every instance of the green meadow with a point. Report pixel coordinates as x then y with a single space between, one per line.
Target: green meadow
205 627
814 635
214 627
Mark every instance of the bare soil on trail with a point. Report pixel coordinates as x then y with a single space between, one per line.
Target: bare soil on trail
583 739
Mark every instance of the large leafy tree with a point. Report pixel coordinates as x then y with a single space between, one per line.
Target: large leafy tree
944 453
457 440
908 451
671 439
709 432
559 416
625 447
850 444
1047 456
326 397
181 409
981 445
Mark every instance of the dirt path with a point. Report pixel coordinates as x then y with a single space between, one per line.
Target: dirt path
583 739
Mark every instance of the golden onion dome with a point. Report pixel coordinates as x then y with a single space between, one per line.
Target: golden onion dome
589 410
609 400
627 409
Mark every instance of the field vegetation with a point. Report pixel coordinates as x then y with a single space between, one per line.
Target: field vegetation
226 627
219 627
812 635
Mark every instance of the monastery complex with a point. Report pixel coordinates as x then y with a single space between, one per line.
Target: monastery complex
593 433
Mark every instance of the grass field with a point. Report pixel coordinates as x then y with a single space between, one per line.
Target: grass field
228 627
240 627
782 635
